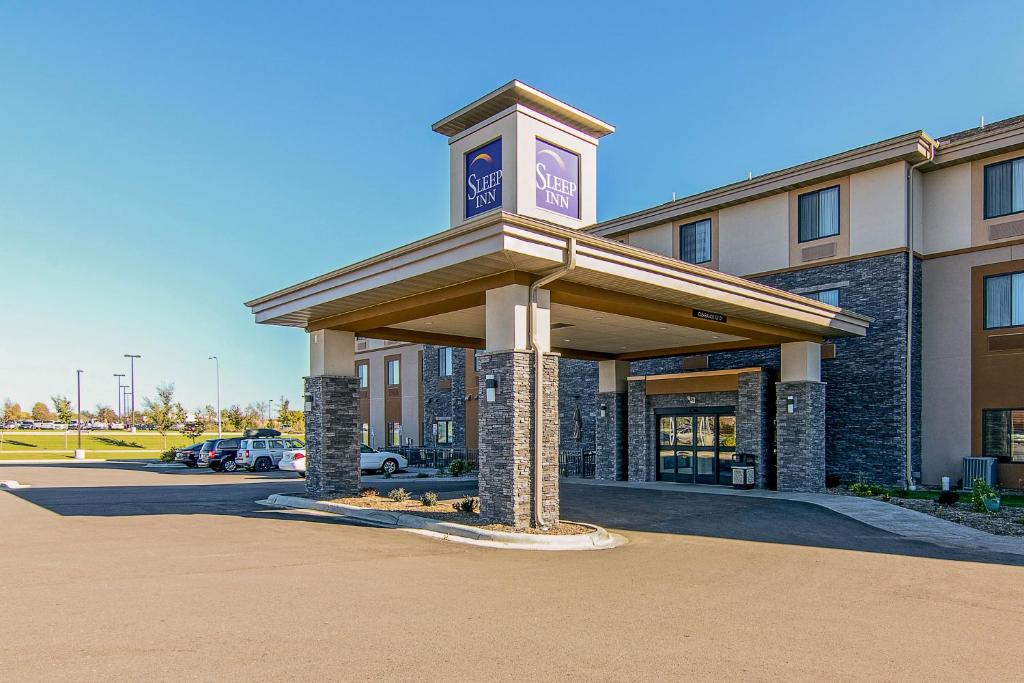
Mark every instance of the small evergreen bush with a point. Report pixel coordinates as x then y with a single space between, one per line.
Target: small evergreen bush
468 504
429 498
399 495
368 492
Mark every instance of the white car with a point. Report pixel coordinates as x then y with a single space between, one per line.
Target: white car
116 425
45 424
262 455
294 460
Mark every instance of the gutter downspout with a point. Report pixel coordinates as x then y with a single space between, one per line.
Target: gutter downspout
909 384
538 373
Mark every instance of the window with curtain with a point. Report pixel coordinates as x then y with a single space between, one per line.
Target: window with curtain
365 434
695 241
1002 434
444 361
1004 300
826 296
818 214
394 371
1004 188
364 375
445 432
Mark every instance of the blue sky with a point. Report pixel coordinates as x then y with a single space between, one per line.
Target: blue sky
161 163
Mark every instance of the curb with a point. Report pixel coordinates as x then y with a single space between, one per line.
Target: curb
598 539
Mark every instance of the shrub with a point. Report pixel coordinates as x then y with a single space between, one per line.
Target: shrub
864 490
948 498
468 504
422 475
368 492
399 495
428 498
457 467
168 455
980 493
833 481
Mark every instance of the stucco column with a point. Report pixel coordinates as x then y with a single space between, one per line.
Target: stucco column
610 446
507 382
332 416
800 419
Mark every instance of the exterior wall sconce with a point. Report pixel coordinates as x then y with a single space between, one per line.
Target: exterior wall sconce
791 404
604 410
308 402
491 387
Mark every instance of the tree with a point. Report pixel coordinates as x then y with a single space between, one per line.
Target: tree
233 418
40 412
105 414
292 421
12 411
163 413
62 406
194 428
253 416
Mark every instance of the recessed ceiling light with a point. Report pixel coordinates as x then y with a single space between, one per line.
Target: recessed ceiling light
622 347
428 324
715 336
662 328
567 340
598 317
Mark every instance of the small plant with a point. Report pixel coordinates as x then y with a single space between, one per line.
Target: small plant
168 455
456 467
983 497
429 498
399 495
422 475
368 492
865 490
468 504
948 498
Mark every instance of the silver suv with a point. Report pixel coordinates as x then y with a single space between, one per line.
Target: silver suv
263 454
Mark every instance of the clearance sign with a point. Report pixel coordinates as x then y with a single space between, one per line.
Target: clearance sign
558 179
483 178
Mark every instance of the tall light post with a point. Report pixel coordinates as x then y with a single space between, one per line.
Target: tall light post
124 403
79 453
131 418
120 394
217 363
269 410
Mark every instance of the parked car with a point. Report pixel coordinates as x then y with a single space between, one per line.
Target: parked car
370 460
45 424
60 426
117 425
27 424
13 424
97 425
262 455
188 455
219 455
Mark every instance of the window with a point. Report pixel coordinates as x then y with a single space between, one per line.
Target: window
695 242
444 361
445 432
826 296
364 375
1002 434
394 371
476 361
259 445
818 214
1004 300
1004 188
394 436
365 434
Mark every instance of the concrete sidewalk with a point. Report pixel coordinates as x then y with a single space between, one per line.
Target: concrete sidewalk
892 518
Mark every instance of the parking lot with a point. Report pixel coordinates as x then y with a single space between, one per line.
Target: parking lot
123 571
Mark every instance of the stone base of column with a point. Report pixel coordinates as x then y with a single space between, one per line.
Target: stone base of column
332 437
800 436
506 439
610 446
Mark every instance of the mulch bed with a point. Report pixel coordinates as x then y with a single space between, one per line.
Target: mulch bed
1009 521
444 511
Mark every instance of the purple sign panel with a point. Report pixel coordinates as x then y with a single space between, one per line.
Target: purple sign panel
558 179
483 178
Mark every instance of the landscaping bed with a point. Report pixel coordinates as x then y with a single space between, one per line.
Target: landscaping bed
446 511
1009 521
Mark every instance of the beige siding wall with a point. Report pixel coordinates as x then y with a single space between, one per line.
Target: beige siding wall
754 237
878 201
659 239
410 388
947 209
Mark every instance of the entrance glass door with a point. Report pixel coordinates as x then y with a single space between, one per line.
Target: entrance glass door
696 446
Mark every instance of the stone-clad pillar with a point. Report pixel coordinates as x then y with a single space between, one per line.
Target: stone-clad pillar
332 416
610 445
800 419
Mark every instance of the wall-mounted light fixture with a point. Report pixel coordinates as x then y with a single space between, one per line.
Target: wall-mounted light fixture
491 387
604 410
791 404
308 399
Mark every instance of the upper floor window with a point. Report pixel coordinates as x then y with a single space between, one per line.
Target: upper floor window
444 361
826 296
364 375
1004 300
1004 188
394 371
695 241
818 214
1002 434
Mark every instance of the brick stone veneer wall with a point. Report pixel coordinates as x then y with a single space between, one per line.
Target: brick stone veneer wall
610 454
332 437
801 436
577 388
865 436
447 402
506 439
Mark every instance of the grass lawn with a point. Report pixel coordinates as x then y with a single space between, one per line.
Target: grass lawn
1012 500
22 445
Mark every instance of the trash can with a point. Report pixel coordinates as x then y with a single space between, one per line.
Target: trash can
743 471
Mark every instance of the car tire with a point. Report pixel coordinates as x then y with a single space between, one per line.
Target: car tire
390 466
302 474
262 465
229 465
215 468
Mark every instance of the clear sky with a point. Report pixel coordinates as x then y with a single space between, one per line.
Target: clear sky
161 163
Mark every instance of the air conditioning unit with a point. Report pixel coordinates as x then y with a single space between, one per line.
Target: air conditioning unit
979 468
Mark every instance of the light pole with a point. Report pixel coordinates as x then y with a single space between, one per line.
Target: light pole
120 395
217 363
79 453
269 410
131 418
